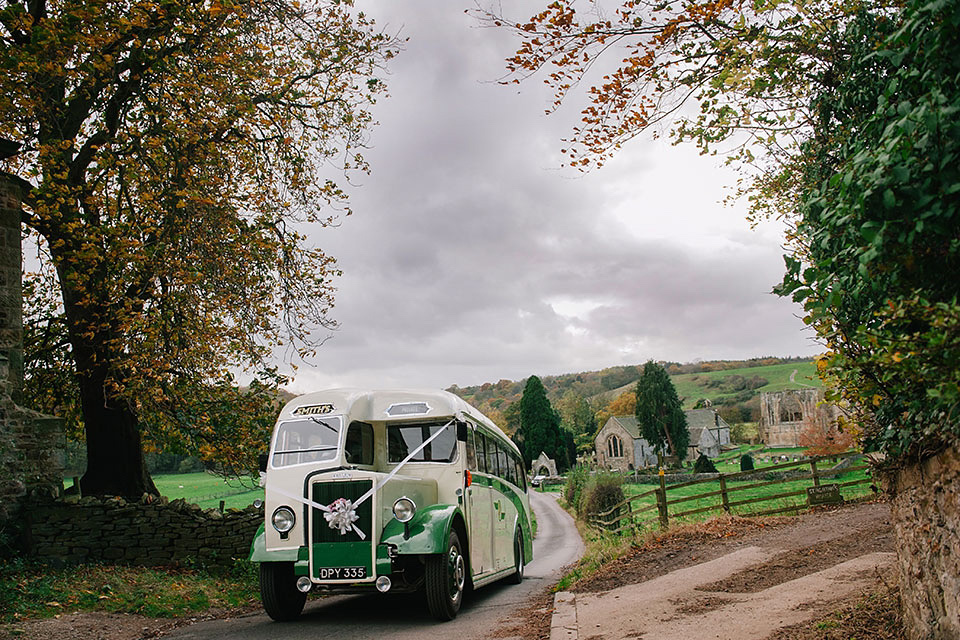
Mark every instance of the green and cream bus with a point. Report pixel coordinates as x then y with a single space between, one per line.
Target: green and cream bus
393 491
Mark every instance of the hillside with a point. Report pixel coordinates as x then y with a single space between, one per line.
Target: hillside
735 385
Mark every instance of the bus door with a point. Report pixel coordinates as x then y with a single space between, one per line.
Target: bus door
504 511
480 500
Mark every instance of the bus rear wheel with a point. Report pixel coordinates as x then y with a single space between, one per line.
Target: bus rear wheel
278 591
446 575
517 577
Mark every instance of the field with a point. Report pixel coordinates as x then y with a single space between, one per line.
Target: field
207 490
684 498
693 386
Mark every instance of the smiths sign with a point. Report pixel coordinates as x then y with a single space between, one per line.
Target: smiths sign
313 410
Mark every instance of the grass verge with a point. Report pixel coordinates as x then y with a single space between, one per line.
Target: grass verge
31 590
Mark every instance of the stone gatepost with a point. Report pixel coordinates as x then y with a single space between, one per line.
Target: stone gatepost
31 444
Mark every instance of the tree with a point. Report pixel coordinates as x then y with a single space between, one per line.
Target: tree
624 404
170 152
823 438
575 414
877 229
728 76
540 424
659 413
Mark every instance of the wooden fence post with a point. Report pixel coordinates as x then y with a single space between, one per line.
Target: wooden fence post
724 498
662 501
813 471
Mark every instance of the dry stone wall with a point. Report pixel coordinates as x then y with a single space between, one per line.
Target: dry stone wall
926 516
153 532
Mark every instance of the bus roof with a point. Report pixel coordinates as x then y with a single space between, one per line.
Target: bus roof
376 405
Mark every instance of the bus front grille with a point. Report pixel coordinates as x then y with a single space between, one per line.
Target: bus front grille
326 493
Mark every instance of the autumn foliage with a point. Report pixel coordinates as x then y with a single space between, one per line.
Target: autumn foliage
172 154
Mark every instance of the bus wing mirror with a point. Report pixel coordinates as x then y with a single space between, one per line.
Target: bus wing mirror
262 461
462 431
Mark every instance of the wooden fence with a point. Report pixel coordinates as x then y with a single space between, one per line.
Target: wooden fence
625 517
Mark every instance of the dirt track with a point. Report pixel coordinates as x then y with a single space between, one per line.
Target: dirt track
734 577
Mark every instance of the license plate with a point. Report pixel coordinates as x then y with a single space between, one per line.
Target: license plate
341 573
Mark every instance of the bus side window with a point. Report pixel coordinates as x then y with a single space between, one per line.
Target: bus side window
359 444
471 449
481 453
492 457
502 463
521 476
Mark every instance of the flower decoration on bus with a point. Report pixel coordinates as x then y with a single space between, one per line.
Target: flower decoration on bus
341 515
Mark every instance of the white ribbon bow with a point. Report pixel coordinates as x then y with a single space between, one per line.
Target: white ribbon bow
341 515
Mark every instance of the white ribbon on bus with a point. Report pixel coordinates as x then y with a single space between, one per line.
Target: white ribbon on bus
342 513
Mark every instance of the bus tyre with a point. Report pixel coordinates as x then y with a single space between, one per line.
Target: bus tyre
278 591
446 575
517 576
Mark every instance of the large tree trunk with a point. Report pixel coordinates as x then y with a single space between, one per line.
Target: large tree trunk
115 463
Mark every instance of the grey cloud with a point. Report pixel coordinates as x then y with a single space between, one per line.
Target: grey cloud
467 230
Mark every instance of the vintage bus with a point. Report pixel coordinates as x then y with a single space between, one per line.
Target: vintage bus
393 491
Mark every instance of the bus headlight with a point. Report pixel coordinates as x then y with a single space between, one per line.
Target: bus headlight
403 509
283 519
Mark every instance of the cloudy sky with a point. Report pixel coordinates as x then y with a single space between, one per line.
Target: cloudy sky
473 255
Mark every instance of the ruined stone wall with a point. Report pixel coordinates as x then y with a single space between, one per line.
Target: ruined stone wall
31 444
149 533
785 414
926 516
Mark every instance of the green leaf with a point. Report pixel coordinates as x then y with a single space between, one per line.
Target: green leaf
889 200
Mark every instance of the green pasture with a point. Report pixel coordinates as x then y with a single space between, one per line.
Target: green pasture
693 386
737 491
207 490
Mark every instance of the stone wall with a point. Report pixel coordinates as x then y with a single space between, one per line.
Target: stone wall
926 515
153 532
31 444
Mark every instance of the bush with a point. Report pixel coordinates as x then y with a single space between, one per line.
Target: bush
746 462
573 491
603 492
190 465
704 465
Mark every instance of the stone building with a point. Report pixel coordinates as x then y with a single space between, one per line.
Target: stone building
785 414
620 446
709 433
544 466
31 444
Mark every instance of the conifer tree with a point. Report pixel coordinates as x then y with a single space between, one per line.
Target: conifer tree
659 413
540 424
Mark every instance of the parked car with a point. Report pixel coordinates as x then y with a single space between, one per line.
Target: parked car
538 481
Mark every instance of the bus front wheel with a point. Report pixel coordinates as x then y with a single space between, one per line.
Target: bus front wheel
278 591
446 575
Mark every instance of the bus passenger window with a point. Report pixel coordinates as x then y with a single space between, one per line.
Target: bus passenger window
358 448
471 449
492 457
502 465
403 440
521 476
481 453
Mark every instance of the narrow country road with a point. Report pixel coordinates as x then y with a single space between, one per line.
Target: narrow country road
403 617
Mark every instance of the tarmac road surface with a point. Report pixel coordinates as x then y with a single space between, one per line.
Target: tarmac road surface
402 617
